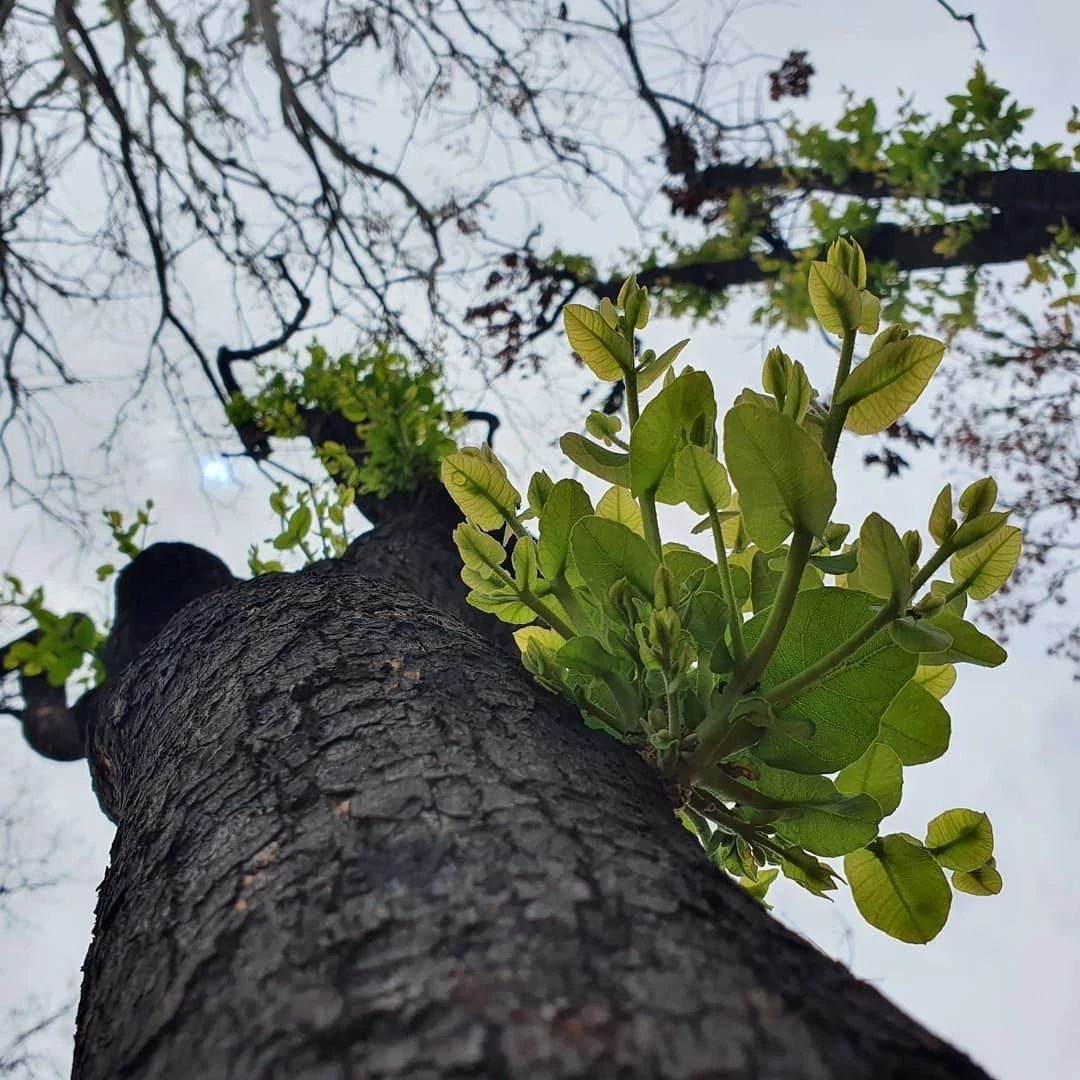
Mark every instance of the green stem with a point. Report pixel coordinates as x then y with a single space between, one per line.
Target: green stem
780 609
674 713
646 501
713 730
784 693
566 596
748 832
738 644
719 784
651 523
534 603
932 564
834 425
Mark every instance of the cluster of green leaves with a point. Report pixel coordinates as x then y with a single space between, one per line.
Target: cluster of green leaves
402 424
69 645
312 521
124 535
396 404
781 710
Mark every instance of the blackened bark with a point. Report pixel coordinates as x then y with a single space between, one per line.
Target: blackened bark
355 841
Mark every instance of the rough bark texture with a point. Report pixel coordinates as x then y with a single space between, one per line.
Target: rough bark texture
355 841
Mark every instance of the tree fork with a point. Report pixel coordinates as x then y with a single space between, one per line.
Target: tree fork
356 841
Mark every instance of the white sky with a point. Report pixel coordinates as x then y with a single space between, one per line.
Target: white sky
1000 980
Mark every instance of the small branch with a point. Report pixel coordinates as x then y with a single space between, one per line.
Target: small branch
969 19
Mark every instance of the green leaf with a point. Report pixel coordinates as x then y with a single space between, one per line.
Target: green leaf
84 634
540 487
960 839
480 488
758 889
299 522
610 465
546 639
985 881
701 481
916 725
605 551
969 645
683 412
479 552
706 619
899 888
683 562
843 563
847 706
601 426
977 529
835 299
619 505
787 381
503 604
984 569
524 563
783 476
879 773
812 874
566 505
608 355
871 313
888 382
918 635
883 569
829 823
588 656
978 498
941 518
649 373
938 680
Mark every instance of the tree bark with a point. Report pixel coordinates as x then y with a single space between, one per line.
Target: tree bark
356 841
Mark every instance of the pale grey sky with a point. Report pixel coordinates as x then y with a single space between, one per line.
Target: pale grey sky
1000 979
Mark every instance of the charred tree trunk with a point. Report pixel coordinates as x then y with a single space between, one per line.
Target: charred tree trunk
356 841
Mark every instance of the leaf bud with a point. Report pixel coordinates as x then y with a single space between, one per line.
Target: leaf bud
912 545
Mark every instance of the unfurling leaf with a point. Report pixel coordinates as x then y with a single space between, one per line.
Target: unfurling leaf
567 504
683 413
835 299
883 569
942 524
608 355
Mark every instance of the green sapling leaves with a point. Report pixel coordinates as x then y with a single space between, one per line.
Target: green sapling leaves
783 678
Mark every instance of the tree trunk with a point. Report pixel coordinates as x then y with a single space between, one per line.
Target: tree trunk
356 841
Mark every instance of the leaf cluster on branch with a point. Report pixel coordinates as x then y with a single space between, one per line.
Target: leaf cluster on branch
780 710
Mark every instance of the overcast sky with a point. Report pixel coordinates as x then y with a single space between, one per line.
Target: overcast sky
1000 980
